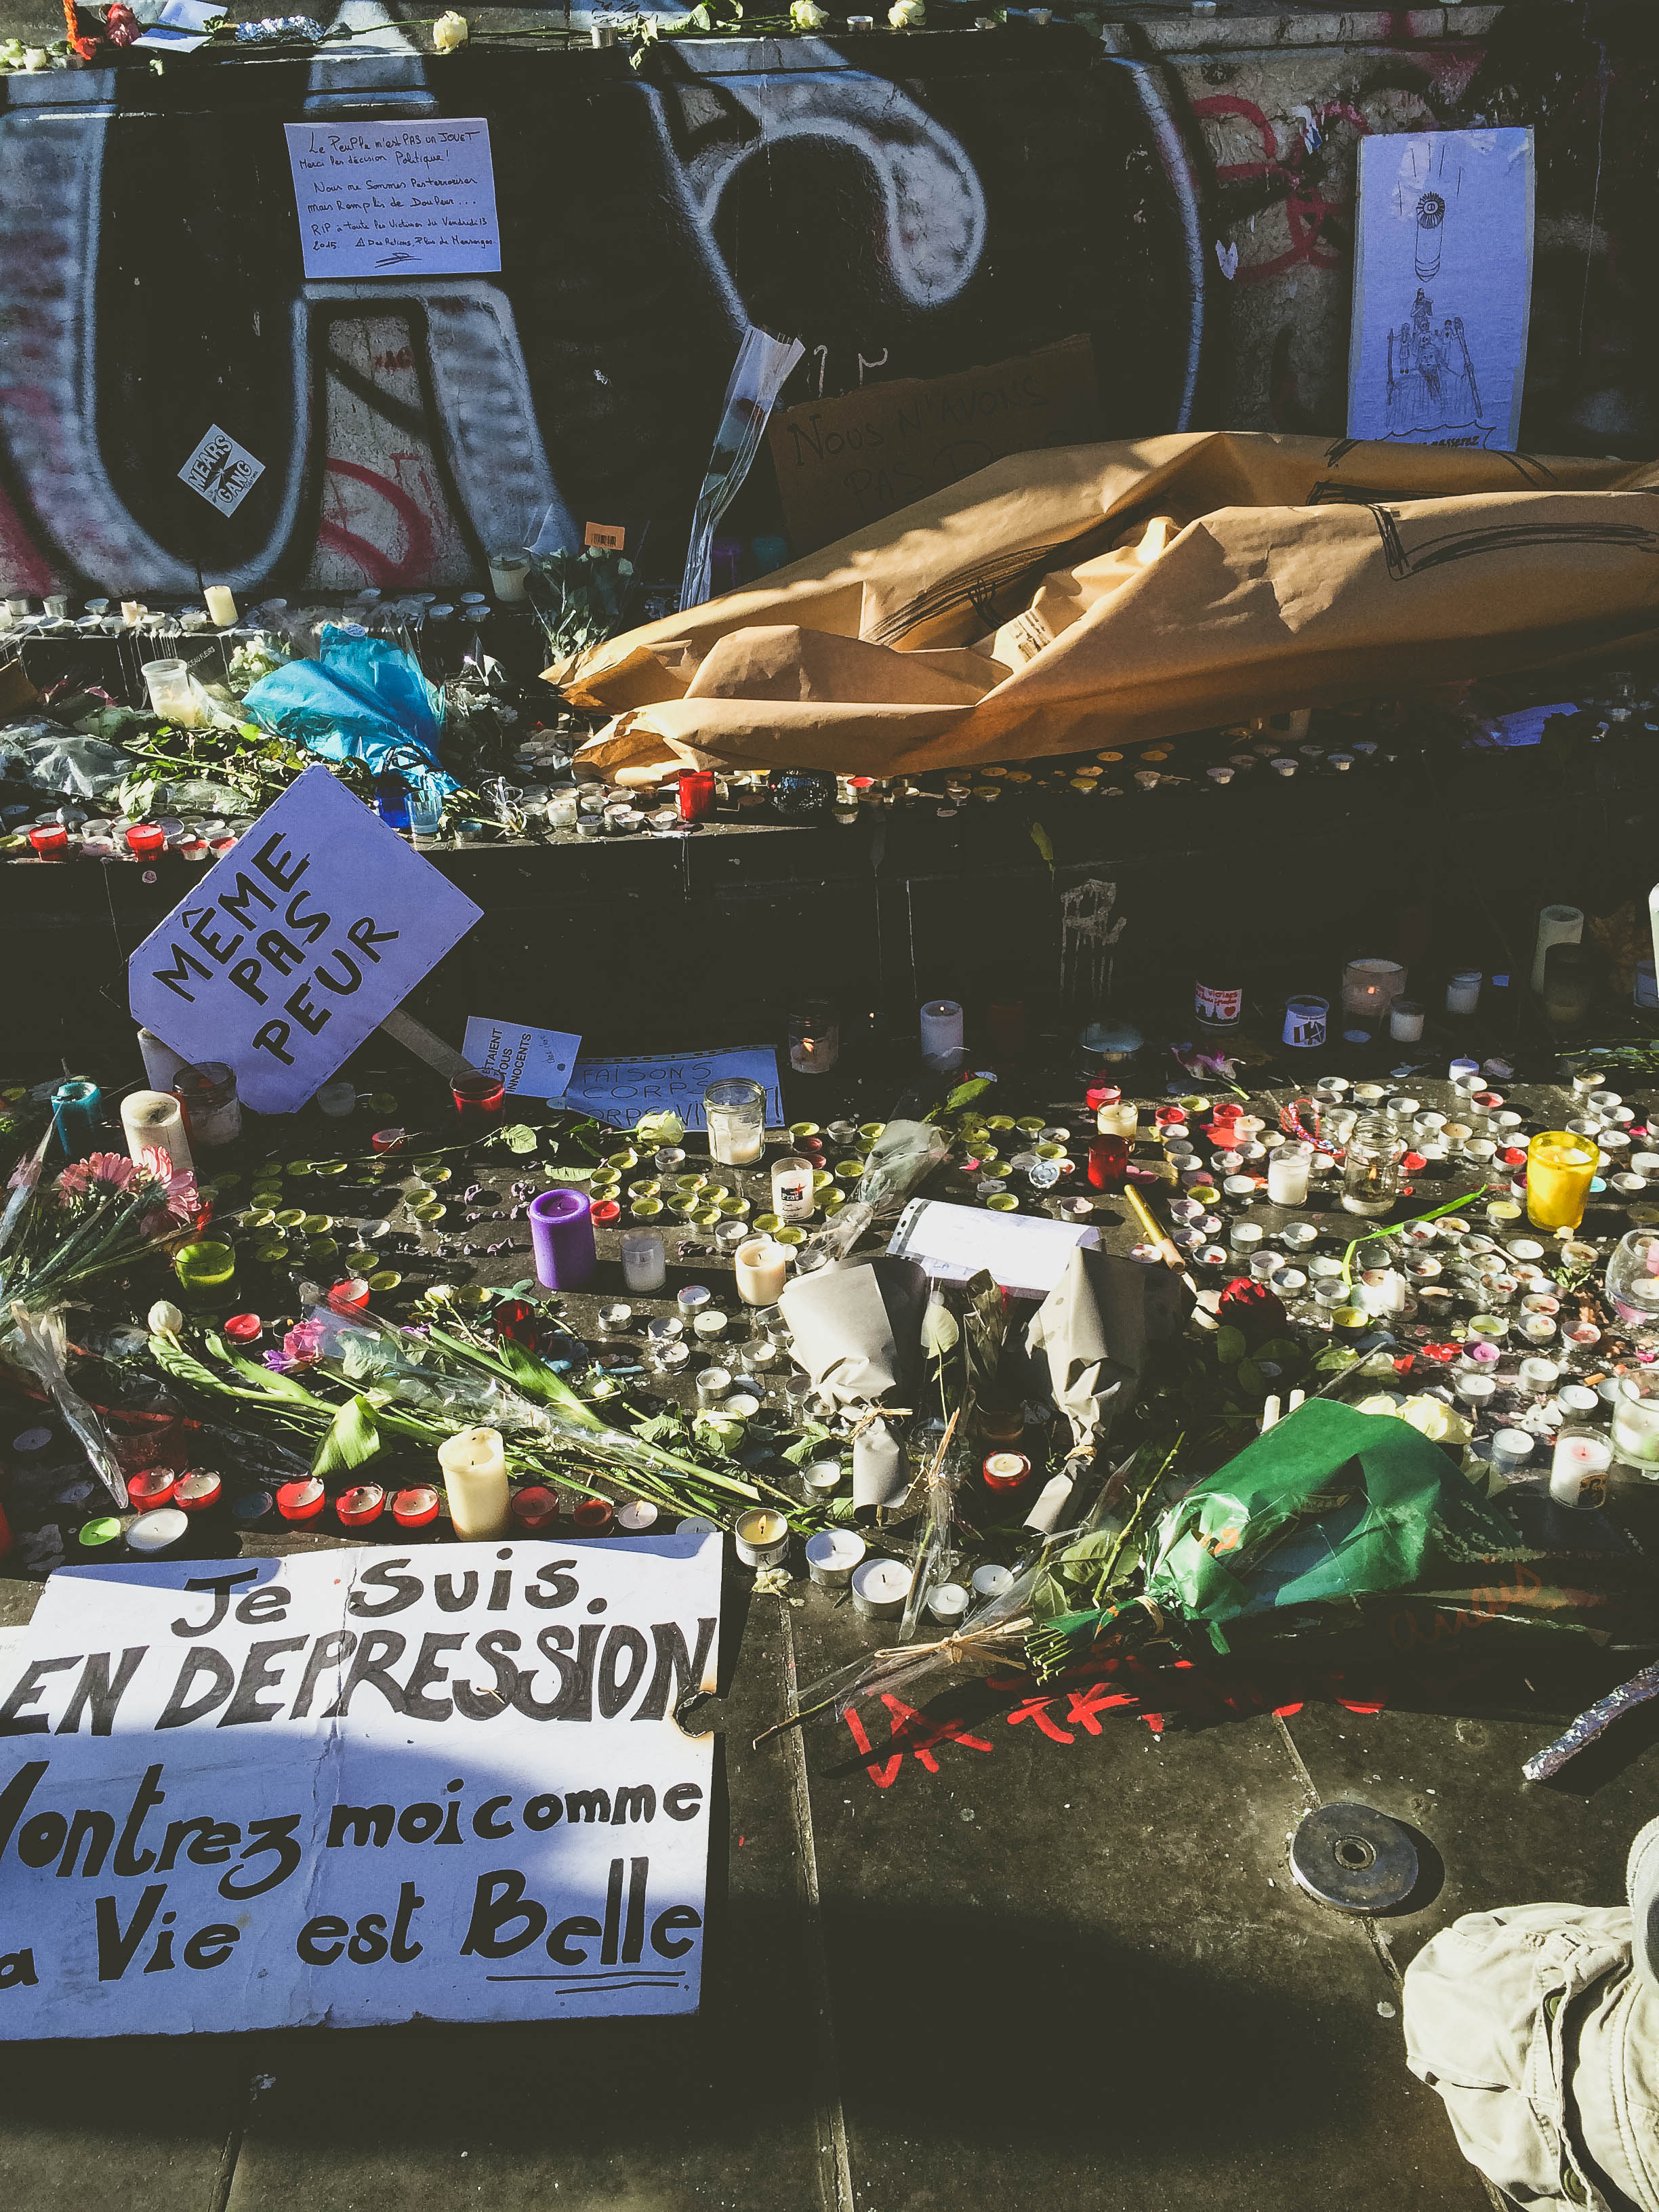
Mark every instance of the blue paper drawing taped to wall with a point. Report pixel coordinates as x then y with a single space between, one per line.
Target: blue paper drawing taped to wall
1442 289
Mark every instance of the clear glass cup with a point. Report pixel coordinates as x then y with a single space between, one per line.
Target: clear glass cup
736 1110
1370 1172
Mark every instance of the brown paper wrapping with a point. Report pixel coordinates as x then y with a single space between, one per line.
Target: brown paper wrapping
1061 601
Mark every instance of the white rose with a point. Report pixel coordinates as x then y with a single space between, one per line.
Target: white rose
449 32
807 15
165 1318
907 15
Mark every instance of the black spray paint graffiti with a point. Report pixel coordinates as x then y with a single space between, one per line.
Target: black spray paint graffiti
149 289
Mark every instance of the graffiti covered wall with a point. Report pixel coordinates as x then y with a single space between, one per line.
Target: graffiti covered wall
1181 191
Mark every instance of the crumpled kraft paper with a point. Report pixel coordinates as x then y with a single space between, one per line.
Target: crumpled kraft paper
1080 598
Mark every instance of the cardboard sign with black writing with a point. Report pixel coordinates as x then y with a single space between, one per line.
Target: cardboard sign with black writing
296 944
354 1786
843 463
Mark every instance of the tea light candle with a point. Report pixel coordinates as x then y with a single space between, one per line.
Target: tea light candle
474 1464
761 1537
154 1122
880 1588
637 1516
415 1509
948 1603
1578 1468
832 1555
1511 1448
761 1268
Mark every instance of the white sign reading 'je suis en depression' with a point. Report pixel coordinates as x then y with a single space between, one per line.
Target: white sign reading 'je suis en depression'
355 1786
301 940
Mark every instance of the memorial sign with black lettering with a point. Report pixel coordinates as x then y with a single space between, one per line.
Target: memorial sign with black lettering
356 1786
311 930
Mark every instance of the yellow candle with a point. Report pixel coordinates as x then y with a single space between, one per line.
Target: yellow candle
221 604
475 1476
1560 1169
762 1267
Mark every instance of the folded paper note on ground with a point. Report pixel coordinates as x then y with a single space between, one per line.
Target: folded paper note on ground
1443 290
414 199
534 1063
1025 1254
293 946
235 1814
618 1092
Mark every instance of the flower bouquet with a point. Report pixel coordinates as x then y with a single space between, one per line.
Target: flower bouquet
98 1218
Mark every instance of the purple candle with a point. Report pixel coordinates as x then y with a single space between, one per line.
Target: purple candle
561 1232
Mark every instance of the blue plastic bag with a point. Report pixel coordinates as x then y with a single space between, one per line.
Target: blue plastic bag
361 699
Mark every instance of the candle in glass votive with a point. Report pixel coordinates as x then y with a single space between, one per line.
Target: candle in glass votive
761 1268
221 604
475 1478
793 1196
643 1263
154 1122
1288 1169
1579 1468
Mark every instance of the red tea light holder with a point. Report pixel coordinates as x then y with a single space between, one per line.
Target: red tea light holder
606 1211
1103 1094
592 1517
695 793
414 1510
389 1141
535 1509
350 1296
198 1491
243 1329
151 1487
145 840
361 1507
50 840
301 1502
1006 1470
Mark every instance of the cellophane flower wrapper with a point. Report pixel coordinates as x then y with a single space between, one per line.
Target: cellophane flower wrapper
900 1160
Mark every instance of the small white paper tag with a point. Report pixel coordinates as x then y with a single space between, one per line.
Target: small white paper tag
223 472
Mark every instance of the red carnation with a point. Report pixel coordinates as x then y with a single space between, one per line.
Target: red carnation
1253 1309
121 26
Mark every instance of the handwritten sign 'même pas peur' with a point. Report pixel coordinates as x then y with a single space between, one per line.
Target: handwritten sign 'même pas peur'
355 1786
297 943
395 199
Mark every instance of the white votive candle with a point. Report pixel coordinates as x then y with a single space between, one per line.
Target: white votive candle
475 1479
761 1267
1288 1169
154 1122
221 604
1579 1468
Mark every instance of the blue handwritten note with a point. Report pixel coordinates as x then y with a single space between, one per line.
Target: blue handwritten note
617 1092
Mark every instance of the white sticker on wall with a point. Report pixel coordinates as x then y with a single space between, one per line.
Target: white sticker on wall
223 472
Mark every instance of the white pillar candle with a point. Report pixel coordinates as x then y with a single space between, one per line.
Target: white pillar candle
475 1478
941 1033
161 1063
1463 991
221 604
1557 925
1288 1169
761 1267
154 1122
1405 1021
1578 1468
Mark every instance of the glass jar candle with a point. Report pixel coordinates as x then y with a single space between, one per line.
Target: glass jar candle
814 1037
1632 1278
793 1196
1463 990
1560 1167
1370 1171
478 1099
1579 1466
735 1108
1288 1169
213 1112
643 1262
1635 1423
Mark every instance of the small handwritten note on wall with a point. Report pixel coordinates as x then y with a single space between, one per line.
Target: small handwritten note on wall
394 199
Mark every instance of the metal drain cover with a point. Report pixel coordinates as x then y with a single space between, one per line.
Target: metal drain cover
1355 1858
